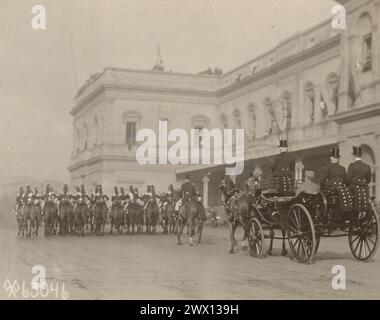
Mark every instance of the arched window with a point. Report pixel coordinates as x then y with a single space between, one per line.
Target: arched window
310 100
332 82
77 141
96 134
287 109
365 41
252 118
85 142
199 122
272 119
224 120
237 118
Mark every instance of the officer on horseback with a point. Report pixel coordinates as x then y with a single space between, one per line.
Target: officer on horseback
358 179
28 196
283 169
333 181
188 192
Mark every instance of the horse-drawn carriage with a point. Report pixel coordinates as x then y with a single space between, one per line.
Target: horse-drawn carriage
305 219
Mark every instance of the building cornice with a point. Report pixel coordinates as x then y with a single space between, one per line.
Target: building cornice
103 88
277 67
358 113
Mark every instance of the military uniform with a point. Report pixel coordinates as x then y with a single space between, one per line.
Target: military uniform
283 170
358 178
333 181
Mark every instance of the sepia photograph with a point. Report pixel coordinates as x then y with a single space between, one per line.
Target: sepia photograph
166 150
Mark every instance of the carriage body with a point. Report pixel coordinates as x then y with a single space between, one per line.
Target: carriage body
307 218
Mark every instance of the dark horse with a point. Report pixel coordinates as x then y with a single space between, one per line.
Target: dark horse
117 217
100 216
134 217
237 208
80 214
50 212
168 217
152 213
66 218
20 220
28 208
189 214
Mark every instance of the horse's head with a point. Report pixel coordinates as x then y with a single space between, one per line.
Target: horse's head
223 188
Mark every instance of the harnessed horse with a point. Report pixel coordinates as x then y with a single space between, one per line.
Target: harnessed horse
237 207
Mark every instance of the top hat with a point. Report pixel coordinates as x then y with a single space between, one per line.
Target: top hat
122 190
35 191
65 188
357 151
47 188
283 143
77 189
334 152
116 190
82 188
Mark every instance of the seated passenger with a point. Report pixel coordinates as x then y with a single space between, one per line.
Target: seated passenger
308 186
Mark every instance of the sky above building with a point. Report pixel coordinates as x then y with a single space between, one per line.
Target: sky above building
40 70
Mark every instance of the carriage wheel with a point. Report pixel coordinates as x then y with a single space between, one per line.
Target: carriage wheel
363 237
256 239
301 233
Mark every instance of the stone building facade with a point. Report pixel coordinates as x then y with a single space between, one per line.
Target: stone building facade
319 88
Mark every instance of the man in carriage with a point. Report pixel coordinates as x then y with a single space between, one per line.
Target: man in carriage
253 185
333 180
358 179
283 168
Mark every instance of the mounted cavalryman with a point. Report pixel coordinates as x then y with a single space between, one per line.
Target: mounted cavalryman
358 179
333 181
283 168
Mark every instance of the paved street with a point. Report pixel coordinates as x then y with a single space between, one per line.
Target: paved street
155 267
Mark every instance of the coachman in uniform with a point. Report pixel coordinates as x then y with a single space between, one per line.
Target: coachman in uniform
358 179
283 170
333 180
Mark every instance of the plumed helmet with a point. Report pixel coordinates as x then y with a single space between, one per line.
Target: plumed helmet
35 190
47 188
65 188
82 188
122 191
21 191
116 190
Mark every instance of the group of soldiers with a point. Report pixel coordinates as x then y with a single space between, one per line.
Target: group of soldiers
178 198
351 186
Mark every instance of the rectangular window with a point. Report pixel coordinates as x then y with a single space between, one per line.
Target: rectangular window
130 137
367 54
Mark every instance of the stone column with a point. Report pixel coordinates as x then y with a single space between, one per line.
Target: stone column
205 181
